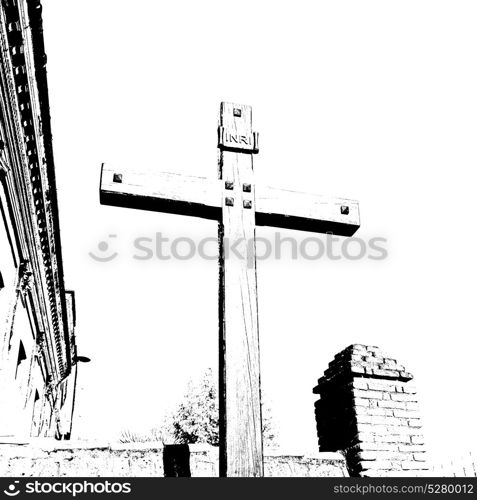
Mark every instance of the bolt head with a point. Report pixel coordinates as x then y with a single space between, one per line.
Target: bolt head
229 185
247 203
344 210
118 178
229 201
237 112
247 188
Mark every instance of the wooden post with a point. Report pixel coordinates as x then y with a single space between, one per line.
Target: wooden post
240 408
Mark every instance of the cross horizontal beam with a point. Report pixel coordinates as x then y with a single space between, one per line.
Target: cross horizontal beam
305 212
202 197
162 192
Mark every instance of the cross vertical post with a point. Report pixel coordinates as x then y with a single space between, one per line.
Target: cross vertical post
241 449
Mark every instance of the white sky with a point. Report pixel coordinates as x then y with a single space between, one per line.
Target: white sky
372 100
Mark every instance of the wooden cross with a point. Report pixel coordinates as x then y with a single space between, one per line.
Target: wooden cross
238 205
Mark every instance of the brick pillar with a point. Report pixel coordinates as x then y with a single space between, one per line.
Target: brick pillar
368 410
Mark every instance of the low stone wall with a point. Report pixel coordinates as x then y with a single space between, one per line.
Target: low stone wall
318 465
62 459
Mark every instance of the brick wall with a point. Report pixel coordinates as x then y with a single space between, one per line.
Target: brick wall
368 409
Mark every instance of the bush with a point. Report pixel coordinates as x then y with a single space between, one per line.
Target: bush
196 419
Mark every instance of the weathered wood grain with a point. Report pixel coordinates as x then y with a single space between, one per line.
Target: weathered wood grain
201 197
162 192
306 212
240 408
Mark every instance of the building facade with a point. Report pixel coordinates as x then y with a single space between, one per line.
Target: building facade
37 314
